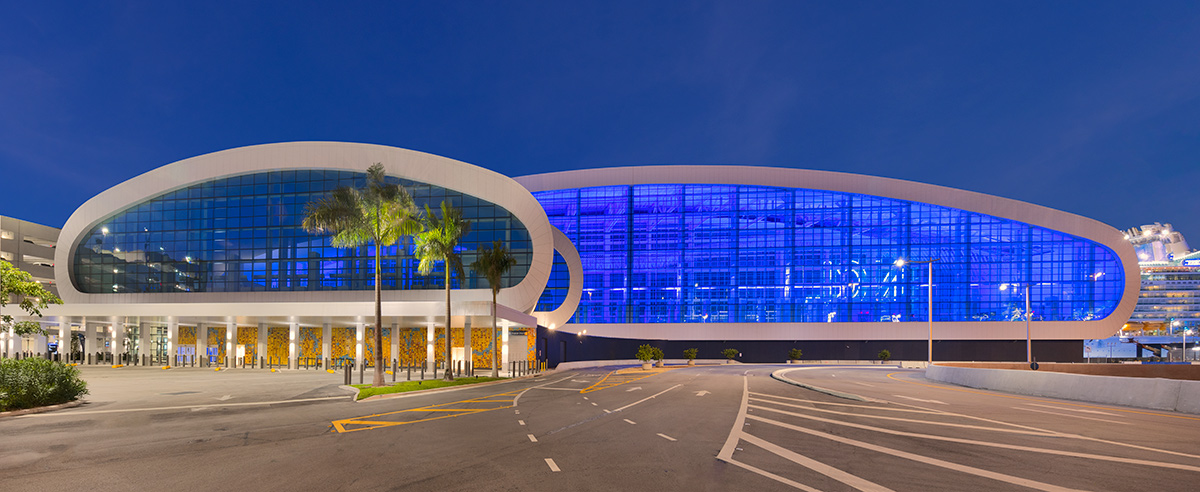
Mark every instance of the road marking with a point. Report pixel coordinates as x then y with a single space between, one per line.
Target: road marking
1072 409
669 438
768 474
1024 482
898 419
647 398
178 407
969 441
585 398
419 414
225 398
864 384
856 405
890 376
623 376
518 412
703 392
561 389
920 399
594 404
607 411
553 466
814 465
635 388
630 421
522 422
531 438
726 453
1071 415
578 381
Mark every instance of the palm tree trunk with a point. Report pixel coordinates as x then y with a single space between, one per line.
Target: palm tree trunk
449 363
495 340
378 380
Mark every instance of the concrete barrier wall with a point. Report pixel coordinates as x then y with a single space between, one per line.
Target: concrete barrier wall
1152 393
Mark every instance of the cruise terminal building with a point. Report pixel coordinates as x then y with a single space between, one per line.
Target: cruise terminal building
205 257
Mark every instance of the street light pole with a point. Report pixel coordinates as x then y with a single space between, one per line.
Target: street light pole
1028 338
900 263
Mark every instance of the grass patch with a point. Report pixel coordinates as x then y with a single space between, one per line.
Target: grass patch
365 390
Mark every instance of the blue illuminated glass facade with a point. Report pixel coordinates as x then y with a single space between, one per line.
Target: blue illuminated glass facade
556 288
242 234
692 253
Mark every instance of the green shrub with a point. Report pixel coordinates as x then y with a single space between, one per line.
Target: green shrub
690 354
794 354
730 353
658 354
885 355
36 382
645 353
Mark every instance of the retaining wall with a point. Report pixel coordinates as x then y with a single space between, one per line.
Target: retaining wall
1152 393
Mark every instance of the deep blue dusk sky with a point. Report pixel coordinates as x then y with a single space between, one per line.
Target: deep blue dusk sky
1088 107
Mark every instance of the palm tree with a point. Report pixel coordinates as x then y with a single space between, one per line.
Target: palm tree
436 242
493 263
379 214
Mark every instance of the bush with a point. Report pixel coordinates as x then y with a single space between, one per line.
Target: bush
36 382
645 353
658 353
690 354
885 355
730 353
794 354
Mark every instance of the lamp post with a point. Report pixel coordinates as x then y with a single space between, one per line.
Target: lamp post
900 262
1028 337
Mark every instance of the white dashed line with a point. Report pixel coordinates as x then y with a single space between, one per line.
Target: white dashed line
585 398
522 422
669 438
531 438
518 412
553 466
594 404
607 410
630 421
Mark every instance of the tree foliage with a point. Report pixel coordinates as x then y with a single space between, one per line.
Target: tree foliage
30 295
379 214
645 353
438 242
493 262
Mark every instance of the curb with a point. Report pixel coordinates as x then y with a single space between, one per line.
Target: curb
778 375
50 408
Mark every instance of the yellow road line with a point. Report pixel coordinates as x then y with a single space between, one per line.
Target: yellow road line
340 425
1044 400
609 380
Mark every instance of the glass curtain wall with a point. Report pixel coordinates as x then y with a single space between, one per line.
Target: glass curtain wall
722 253
242 234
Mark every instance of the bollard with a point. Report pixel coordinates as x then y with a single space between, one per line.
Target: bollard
422 371
361 368
410 372
347 378
89 358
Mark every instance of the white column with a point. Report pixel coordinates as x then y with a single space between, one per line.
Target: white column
504 345
230 339
395 343
39 344
359 329
293 334
326 341
201 344
172 339
64 339
144 347
429 338
261 351
118 338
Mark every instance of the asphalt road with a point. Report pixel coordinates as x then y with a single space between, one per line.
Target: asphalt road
701 428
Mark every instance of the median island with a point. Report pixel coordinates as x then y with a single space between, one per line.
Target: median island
367 391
